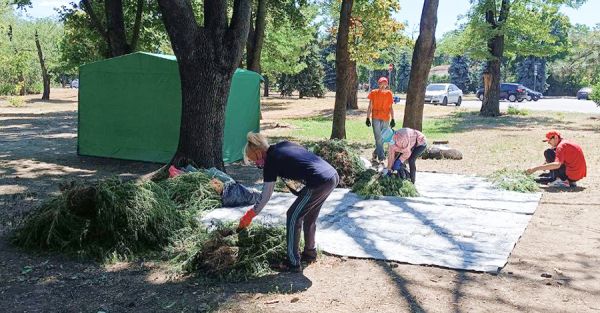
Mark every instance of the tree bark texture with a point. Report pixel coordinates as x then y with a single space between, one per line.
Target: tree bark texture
207 58
115 23
352 103
491 96
422 59
256 37
266 86
343 72
45 76
135 36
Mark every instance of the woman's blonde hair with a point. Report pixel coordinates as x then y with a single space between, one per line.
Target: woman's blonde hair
255 141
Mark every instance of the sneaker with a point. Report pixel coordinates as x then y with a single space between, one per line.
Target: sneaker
287 267
559 183
308 258
573 184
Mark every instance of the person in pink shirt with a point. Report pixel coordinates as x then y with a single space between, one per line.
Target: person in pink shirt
409 144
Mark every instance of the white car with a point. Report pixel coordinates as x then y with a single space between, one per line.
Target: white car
443 94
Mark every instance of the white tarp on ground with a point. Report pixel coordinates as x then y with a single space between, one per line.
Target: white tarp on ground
459 221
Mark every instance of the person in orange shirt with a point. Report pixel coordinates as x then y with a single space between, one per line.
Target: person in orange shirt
380 110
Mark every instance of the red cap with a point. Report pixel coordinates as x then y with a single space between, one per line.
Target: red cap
382 79
550 134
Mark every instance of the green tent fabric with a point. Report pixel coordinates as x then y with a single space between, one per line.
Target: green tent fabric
130 108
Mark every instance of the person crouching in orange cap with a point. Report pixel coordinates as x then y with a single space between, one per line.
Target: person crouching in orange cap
380 109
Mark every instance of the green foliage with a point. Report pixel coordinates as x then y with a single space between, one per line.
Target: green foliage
525 71
82 43
527 30
459 73
438 79
285 44
513 180
20 70
343 157
115 218
580 65
16 102
372 185
227 255
595 95
309 81
402 71
517 111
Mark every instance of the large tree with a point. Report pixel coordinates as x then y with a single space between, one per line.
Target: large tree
420 66
43 67
510 27
207 57
343 69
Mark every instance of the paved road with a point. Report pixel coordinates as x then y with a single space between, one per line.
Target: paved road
560 105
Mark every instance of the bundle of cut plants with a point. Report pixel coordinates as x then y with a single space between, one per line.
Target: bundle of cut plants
116 218
372 185
282 185
342 156
513 180
225 254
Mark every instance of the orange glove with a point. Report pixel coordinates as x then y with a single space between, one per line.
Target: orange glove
246 220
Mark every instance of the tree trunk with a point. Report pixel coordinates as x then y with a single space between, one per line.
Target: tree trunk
420 66
45 76
207 58
256 38
266 84
135 36
116 27
352 103
343 72
491 96
21 80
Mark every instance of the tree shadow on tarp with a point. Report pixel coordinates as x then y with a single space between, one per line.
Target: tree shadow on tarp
361 238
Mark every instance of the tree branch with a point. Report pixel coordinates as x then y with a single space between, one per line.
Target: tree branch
240 23
215 15
87 7
505 7
180 23
135 36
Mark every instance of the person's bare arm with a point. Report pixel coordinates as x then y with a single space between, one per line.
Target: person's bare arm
546 167
369 108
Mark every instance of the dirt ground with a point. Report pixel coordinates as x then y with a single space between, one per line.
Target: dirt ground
38 152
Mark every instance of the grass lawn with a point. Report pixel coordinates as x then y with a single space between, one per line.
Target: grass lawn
434 128
317 128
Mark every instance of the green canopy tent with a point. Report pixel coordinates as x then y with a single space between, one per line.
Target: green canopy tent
130 108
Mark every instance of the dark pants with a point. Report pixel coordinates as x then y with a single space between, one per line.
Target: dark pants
303 214
412 160
561 172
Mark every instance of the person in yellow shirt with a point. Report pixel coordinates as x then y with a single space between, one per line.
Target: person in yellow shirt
380 110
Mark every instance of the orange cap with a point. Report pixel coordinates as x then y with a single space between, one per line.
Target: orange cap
382 79
550 134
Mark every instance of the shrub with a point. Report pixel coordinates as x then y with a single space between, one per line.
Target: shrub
595 95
